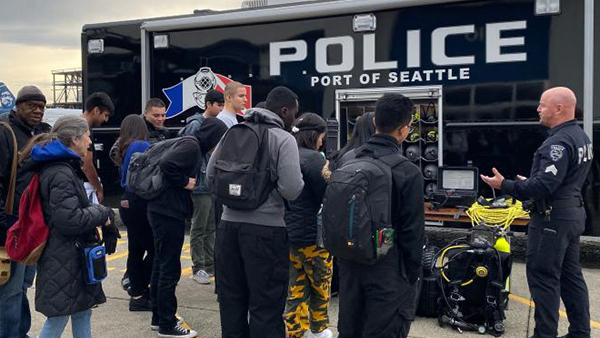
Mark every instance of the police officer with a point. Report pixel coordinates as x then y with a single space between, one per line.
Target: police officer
558 172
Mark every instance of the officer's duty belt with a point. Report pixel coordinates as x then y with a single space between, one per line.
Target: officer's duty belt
566 203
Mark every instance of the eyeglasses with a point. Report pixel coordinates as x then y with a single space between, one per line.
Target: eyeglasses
33 106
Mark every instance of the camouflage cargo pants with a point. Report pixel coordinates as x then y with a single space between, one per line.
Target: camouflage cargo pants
308 295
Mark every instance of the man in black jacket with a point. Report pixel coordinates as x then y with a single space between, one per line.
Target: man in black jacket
26 121
167 214
378 300
155 116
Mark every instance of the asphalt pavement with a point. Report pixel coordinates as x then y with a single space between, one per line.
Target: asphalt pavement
199 307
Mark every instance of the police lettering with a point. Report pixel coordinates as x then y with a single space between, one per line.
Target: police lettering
297 50
586 153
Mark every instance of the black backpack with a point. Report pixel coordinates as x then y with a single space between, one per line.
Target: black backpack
144 176
357 209
242 174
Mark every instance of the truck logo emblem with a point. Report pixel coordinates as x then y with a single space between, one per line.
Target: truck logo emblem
191 92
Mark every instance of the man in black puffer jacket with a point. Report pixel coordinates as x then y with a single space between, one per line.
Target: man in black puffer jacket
155 115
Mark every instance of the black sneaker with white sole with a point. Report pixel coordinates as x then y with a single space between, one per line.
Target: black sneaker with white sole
154 323
177 332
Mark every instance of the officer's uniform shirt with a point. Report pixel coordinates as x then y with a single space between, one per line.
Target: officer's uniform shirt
560 166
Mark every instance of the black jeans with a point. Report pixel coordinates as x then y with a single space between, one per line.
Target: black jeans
375 300
554 272
169 234
252 265
140 243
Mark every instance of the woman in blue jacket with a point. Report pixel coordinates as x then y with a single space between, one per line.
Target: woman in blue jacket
133 138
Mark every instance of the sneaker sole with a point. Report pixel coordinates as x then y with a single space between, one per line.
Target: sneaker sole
203 282
189 335
140 309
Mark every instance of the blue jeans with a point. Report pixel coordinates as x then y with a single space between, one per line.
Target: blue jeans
81 325
15 316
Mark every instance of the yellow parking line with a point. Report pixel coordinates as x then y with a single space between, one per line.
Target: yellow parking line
110 269
185 324
117 256
563 314
186 257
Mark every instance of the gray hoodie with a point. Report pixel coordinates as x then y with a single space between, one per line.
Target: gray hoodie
286 163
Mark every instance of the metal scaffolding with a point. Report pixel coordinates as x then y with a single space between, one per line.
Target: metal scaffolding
67 85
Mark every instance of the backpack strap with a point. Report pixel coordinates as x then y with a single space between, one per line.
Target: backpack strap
392 159
10 198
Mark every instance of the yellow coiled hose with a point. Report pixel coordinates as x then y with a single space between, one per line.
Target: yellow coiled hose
502 217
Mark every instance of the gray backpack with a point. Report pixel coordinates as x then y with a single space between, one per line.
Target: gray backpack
144 176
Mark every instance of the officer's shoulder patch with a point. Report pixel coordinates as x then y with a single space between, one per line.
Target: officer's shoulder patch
551 169
556 152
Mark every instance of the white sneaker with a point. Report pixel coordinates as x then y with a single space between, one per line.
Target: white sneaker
327 333
202 277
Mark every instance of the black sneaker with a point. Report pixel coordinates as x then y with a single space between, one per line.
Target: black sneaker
154 322
177 332
140 304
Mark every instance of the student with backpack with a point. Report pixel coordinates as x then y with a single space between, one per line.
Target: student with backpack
311 265
133 210
253 171
167 213
373 219
62 291
364 128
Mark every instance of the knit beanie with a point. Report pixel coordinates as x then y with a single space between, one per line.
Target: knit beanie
30 93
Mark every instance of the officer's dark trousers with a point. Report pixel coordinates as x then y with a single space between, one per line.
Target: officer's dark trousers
554 272
372 298
140 243
252 264
168 240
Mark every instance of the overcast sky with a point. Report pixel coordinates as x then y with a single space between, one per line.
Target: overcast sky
38 36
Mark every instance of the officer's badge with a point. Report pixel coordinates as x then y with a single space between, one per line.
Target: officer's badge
556 152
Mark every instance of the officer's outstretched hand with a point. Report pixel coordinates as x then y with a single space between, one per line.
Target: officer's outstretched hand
496 181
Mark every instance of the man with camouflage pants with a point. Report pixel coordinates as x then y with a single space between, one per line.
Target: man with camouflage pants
310 278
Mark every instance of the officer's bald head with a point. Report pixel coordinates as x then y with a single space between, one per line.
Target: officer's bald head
557 105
